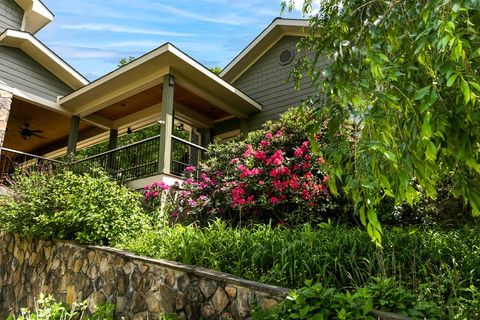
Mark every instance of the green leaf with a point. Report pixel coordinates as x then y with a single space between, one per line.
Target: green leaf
431 151
372 216
421 93
452 79
390 156
475 85
426 128
362 216
464 87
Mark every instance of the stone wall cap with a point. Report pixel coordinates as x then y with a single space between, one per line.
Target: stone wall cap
202 272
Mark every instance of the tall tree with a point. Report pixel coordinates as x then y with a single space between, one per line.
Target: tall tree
407 74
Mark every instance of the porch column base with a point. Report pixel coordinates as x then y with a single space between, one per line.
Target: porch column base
5 104
139 184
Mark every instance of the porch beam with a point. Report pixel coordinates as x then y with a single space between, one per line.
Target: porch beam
99 121
151 113
209 96
197 119
164 160
73 135
120 93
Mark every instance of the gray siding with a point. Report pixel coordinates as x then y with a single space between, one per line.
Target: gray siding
11 15
269 83
19 70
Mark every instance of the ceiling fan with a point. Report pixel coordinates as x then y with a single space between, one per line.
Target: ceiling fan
27 133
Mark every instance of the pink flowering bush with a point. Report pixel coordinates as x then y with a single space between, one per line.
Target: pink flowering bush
270 176
153 193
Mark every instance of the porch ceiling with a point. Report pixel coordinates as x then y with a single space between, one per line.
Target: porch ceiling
153 97
138 87
55 128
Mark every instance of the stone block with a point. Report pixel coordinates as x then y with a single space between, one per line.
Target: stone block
219 300
208 312
168 299
231 291
207 288
154 302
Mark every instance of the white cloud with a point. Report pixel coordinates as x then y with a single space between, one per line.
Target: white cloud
135 43
123 29
225 18
75 52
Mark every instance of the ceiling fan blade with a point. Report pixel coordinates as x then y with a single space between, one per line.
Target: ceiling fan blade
38 136
36 131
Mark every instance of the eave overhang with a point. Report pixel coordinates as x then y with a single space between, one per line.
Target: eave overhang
43 55
261 44
36 16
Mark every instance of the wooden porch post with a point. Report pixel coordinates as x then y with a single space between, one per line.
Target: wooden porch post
243 126
164 160
112 144
206 136
112 140
73 135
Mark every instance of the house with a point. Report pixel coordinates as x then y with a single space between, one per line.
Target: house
47 108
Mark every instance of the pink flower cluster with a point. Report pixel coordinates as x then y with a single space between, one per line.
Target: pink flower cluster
268 178
153 191
263 177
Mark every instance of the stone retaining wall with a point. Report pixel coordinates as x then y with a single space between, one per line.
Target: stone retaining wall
5 102
139 287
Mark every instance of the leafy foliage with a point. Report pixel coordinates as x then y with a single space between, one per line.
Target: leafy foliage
72 207
47 308
405 72
124 61
216 70
318 302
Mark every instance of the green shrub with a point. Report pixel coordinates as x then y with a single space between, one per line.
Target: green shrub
71 207
319 302
47 308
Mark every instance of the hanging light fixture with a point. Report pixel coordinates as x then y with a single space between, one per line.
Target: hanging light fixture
129 130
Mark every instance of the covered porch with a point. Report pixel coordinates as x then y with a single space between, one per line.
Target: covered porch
164 86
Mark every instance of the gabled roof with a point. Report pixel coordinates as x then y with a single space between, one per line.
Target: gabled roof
149 70
261 44
43 55
36 16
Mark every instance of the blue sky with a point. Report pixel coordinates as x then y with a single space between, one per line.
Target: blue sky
93 35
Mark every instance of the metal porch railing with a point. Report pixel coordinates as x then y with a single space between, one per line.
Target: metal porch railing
135 161
11 160
185 154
